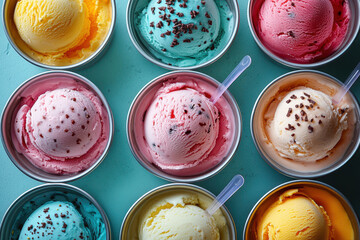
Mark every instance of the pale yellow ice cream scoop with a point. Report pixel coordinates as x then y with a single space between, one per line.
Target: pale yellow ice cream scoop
294 216
179 222
52 26
306 125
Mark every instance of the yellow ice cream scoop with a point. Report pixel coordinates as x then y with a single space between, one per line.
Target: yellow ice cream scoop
294 216
52 26
179 222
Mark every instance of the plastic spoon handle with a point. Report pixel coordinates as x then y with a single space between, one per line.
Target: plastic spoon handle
347 85
244 63
226 193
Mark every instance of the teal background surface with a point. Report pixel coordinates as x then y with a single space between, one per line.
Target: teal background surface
119 181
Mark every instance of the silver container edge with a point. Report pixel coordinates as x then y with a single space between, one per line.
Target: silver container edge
80 65
148 166
35 191
130 10
181 187
353 30
288 172
6 135
339 195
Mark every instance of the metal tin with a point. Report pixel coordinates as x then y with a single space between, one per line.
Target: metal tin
353 29
20 160
16 207
133 212
255 133
136 5
275 192
8 11
138 108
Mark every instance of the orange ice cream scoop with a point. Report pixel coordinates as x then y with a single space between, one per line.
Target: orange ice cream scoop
61 32
52 26
294 216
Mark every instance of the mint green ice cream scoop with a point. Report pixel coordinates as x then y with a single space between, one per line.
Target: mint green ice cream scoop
55 220
186 32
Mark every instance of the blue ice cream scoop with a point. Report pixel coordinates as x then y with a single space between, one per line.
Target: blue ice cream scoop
55 220
184 32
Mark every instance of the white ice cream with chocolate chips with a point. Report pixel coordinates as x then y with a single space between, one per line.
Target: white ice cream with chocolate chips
306 125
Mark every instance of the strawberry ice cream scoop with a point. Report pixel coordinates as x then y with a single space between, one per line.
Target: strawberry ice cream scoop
63 123
303 31
61 131
181 127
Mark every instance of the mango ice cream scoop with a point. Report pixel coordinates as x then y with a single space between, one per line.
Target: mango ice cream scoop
294 216
52 26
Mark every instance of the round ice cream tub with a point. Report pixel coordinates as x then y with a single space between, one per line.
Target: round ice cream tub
129 226
14 217
31 85
135 6
290 80
137 113
273 194
8 21
353 29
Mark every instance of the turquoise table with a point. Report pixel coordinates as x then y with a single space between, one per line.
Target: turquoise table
119 181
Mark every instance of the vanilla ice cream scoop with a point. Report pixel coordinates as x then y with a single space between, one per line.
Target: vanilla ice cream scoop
294 216
306 126
178 217
52 26
186 222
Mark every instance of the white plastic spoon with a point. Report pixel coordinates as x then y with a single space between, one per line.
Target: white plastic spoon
226 193
240 68
347 85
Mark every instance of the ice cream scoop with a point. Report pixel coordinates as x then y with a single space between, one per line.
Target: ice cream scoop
302 31
306 126
294 216
52 26
185 33
61 131
59 33
178 216
183 217
63 123
181 127
180 222
55 219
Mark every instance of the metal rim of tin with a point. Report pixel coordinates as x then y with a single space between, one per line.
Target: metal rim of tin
82 63
299 182
129 23
65 178
352 33
60 186
293 173
182 187
172 178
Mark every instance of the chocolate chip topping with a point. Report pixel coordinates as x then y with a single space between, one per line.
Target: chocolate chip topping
289 112
310 128
168 15
290 127
291 34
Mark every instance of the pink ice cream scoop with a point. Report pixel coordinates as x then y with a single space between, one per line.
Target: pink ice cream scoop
61 131
181 127
302 31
